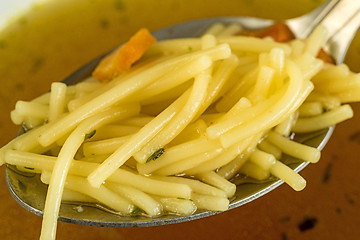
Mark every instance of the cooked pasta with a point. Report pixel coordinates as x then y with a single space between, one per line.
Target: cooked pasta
169 134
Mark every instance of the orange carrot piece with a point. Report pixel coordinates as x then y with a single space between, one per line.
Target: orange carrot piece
325 57
125 56
280 32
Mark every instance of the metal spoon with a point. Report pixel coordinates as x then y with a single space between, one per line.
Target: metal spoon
341 17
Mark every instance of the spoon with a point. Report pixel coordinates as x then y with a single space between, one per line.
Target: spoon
341 17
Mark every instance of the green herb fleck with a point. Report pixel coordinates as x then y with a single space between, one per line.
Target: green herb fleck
327 173
104 23
119 5
29 168
355 136
135 212
90 134
181 198
156 155
190 48
3 44
307 224
37 64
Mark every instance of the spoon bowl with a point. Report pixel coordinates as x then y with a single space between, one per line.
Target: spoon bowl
30 192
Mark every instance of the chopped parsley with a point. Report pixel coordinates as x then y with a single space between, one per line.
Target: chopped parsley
3 44
104 23
135 212
181 198
119 5
37 65
90 134
307 224
156 155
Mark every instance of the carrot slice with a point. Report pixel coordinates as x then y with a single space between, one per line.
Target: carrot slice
325 57
280 32
125 56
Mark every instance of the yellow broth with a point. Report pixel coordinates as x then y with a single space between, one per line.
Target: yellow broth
55 38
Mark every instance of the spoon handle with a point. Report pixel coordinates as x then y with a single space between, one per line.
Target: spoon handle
342 23
340 17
